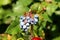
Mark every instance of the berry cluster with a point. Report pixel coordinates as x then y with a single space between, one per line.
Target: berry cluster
27 20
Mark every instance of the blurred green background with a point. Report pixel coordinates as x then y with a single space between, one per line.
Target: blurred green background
11 10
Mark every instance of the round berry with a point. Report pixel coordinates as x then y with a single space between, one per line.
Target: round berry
26 30
24 26
28 27
36 38
36 16
32 21
21 17
25 21
28 21
21 23
36 20
27 24
21 26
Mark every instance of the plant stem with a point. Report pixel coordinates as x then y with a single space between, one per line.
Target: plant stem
31 32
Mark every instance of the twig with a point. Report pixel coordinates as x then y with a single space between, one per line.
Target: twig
31 32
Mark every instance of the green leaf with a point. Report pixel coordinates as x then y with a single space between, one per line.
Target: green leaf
5 38
13 28
53 28
35 6
35 34
14 37
57 38
8 17
35 27
25 2
4 2
1 13
39 8
44 24
57 0
40 33
1 10
57 12
59 4
46 17
44 4
20 39
19 9
51 8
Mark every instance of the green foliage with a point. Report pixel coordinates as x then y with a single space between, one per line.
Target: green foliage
19 8
13 26
25 2
57 38
10 15
35 6
5 2
50 9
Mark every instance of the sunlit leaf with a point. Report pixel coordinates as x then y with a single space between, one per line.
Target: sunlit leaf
19 9
1 13
59 4
25 2
57 12
44 4
4 2
51 9
35 6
